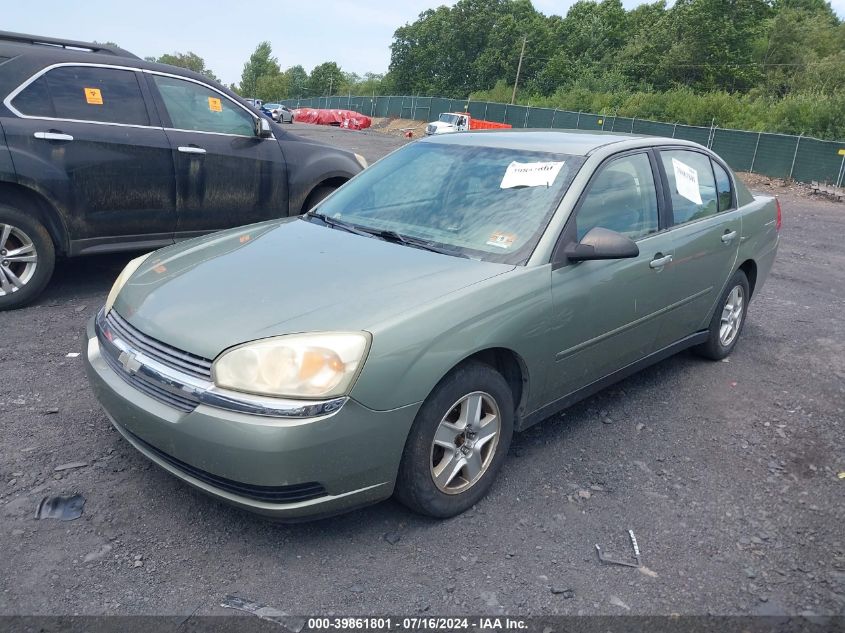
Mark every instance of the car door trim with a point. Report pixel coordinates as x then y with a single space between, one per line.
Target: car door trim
569 399
14 93
560 356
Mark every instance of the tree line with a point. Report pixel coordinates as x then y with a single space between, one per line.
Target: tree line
775 65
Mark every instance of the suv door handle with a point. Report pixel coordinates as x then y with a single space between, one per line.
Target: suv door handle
53 136
728 237
190 149
660 262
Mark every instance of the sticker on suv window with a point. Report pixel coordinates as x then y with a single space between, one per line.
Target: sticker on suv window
214 104
686 181
93 96
530 174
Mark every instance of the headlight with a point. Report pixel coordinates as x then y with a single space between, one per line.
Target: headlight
122 278
319 365
361 161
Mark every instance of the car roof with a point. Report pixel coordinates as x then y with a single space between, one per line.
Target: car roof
571 142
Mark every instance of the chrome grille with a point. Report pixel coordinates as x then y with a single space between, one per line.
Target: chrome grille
161 352
183 403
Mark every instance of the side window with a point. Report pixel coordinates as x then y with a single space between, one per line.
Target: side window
193 106
691 184
621 198
105 95
723 187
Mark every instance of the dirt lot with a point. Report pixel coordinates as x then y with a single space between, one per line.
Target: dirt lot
726 472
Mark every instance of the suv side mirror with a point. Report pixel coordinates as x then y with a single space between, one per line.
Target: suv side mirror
262 128
601 243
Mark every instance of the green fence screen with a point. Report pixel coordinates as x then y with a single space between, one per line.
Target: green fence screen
777 155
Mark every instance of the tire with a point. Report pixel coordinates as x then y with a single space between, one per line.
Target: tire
441 475
27 258
728 319
317 196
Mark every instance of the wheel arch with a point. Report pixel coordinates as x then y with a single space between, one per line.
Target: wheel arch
30 201
333 181
749 267
513 369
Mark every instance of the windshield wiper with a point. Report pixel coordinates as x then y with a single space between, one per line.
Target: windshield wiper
393 236
338 224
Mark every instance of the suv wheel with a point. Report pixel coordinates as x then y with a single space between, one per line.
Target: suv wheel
27 258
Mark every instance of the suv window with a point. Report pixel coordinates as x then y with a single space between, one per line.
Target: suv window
691 183
193 106
723 187
622 198
83 93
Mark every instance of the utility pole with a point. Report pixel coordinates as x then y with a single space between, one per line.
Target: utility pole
331 79
518 68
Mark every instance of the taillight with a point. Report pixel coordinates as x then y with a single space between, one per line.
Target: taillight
779 220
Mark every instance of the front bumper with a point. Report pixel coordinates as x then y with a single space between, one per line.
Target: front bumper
288 468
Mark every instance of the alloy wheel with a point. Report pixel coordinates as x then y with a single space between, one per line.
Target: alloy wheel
18 259
465 442
731 316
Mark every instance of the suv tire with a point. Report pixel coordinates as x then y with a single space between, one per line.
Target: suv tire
27 258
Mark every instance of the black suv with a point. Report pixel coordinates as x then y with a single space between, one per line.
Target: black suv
101 151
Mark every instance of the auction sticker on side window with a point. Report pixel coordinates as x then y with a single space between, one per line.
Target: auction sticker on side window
530 174
686 181
501 239
214 104
93 96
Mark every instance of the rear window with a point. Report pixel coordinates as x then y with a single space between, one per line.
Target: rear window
83 93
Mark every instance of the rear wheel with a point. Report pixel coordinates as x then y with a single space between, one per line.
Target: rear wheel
27 258
457 443
728 319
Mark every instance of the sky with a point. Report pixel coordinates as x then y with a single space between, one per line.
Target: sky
354 33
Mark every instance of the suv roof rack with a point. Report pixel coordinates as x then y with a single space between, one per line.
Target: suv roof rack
91 47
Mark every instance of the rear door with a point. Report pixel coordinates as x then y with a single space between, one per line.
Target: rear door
706 235
225 175
84 135
607 313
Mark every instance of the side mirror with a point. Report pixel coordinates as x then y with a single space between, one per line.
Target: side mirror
262 128
600 243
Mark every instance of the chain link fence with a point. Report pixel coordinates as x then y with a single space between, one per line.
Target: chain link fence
801 158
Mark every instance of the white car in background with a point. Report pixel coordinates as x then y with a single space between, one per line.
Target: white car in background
280 113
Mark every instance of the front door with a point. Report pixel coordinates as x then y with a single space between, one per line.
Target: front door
607 313
225 175
100 154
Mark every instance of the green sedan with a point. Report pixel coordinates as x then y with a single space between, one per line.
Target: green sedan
392 340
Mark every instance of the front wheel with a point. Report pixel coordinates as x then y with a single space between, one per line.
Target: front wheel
457 443
728 319
27 258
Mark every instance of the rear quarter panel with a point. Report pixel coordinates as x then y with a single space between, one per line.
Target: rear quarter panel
760 236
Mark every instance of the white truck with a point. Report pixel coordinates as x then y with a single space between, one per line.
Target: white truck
459 122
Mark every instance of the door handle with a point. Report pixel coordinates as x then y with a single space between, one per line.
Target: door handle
728 237
660 262
53 136
188 149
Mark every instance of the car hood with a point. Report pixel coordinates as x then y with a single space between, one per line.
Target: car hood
283 277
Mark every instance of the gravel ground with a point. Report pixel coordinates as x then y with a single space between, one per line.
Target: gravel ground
726 472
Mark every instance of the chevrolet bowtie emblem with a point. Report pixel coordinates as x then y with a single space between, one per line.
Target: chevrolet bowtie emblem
129 362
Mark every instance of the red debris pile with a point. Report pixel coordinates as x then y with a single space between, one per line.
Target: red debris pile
340 118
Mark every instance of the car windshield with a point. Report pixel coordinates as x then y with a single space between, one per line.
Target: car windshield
449 118
485 203
272 106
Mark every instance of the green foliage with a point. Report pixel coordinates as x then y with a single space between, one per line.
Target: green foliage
188 60
326 79
757 64
261 63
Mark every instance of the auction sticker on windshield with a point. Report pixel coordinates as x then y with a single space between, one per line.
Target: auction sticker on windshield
531 174
501 240
686 181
